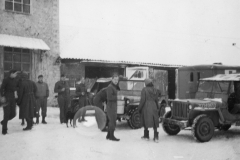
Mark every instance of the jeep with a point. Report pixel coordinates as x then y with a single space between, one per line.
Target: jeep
209 110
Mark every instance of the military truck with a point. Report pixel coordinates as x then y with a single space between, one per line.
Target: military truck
207 111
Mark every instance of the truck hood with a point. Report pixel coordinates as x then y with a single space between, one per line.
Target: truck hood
202 103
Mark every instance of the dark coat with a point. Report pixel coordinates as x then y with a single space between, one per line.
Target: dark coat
26 98
8 87
100 97
81 92
58 89
112 105
148 107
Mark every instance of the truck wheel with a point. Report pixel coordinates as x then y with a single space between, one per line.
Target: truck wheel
224 127
202 128
134 120
162 111
170 129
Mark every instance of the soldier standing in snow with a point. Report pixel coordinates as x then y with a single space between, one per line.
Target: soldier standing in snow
148 108
112 107
26 100
42 95
62 88
9 92
81 92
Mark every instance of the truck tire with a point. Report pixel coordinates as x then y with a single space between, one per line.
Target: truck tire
170 129
134 121
202 128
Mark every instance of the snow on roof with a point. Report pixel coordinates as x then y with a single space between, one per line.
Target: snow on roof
223 77
123 62
22 42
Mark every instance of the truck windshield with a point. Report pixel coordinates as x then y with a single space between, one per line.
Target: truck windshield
215 87
131 85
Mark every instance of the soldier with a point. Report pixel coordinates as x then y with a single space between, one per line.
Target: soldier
26 100
42 95
81 92
8 91
112 107
148 108
62 88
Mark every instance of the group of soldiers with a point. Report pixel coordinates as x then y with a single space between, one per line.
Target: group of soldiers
31 96
28 95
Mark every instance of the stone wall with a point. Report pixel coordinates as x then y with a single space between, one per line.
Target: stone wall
41 23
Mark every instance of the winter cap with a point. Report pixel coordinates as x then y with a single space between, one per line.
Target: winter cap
148 81
40 76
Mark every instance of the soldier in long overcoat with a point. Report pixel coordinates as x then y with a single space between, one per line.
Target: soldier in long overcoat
112 107
26 100
148 108
8 90
81 92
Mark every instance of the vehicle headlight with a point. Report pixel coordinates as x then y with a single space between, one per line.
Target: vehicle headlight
171 104
190 106
127 101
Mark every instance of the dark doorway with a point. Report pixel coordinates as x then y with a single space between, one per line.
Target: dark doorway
171 84
102 72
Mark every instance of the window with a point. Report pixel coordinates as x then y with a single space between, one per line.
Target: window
22 6
191 77
16 58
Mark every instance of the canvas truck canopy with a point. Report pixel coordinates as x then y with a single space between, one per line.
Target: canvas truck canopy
223 77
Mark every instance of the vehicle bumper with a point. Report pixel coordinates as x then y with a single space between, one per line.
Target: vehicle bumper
181 124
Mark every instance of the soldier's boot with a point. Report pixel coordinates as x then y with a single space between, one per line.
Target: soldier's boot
43 120
108 135
146 135
112 137
37 121
23 122
29 125
4 131
156 137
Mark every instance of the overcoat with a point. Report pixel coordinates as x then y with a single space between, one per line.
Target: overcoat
112 106
100 97
26 98
148 107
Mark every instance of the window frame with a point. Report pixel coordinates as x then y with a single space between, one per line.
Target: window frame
22 52
21 3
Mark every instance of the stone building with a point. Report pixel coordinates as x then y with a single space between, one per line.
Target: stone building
29 39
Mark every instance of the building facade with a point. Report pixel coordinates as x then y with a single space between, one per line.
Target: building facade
29 39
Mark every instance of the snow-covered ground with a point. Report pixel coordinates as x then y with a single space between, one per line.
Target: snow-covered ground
55 141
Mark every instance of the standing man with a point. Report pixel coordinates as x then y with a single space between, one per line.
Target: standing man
148 109
81 92
62 88
9 92
42 96
112 107
26 100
